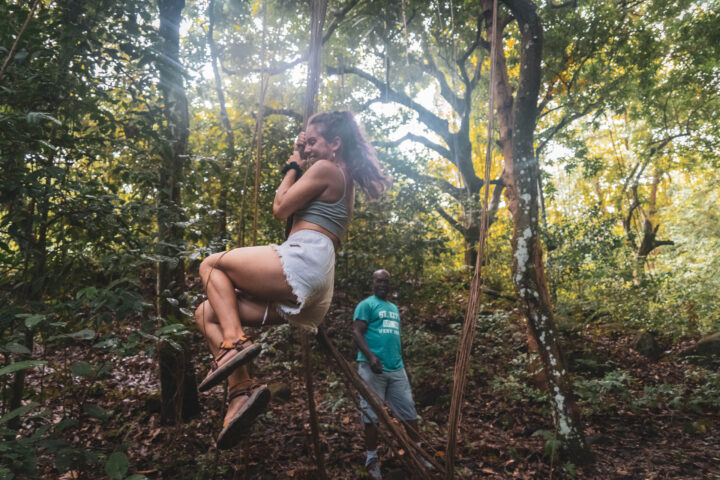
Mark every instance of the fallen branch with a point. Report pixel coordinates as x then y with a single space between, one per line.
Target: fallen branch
352 378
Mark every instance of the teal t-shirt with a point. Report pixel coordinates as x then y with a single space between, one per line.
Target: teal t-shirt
383 332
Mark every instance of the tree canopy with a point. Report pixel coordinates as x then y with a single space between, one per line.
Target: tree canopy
129 150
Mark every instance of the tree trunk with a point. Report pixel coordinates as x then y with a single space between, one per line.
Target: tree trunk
177 383
34 279
650 241
230 153
517 117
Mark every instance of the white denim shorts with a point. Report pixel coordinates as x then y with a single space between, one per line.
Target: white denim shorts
308 261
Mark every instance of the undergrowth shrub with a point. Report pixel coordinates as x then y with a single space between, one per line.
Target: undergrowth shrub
428 356
607 393
595 277
514 384
699 393
704 389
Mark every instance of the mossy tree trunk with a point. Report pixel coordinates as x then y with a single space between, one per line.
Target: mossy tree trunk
517 117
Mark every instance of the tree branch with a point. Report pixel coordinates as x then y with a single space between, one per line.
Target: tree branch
495 200
453 223
11 53
447 93
284 67
432 121
476 42
550 132
442 184
284 111
339 17
442 151
495 294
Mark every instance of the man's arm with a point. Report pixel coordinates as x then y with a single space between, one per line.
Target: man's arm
359 330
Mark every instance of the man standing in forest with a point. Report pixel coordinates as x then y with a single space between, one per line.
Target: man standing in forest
376 331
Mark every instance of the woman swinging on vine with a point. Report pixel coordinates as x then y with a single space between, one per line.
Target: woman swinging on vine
292 282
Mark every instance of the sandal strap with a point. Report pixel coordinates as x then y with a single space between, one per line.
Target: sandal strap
226 347
243 391
236 345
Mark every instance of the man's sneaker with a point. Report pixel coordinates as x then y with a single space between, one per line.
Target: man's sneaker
373 468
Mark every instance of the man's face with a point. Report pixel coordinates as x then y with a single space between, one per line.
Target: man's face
381 284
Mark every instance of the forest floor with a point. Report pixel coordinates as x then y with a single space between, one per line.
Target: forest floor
635 433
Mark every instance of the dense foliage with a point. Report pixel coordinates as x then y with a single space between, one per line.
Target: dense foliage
628 142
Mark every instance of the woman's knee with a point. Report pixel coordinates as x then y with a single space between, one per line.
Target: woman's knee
204 314
208 265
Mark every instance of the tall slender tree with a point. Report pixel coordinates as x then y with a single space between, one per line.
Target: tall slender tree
179 393
517 116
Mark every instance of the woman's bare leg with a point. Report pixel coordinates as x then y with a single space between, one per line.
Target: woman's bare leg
256 270
252 314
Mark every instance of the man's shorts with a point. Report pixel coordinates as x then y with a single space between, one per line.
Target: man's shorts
393 387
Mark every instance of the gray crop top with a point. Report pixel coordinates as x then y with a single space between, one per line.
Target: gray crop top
333 217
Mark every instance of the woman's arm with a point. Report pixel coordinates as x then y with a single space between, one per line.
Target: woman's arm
293 194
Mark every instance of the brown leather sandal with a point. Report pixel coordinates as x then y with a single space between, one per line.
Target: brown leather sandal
239 352
234 429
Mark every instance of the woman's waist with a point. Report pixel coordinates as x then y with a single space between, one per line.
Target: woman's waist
335 223
299 225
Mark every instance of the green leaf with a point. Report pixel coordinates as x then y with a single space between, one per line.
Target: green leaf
137 476
96 411
173 344
156 258
147 336
89 293
116 465
187 312
14 347
64 424
37 117
21 55
109 343
48 145
33 320
6 474
74 458
18 412
169 329
25 364
81 369
546 434
85 334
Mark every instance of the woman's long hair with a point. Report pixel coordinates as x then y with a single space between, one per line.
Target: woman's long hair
358 154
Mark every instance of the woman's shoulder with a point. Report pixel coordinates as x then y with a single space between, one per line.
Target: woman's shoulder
324 168
322 165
